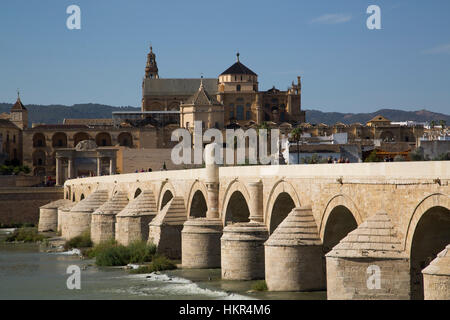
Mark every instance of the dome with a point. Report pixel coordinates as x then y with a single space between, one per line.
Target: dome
238 68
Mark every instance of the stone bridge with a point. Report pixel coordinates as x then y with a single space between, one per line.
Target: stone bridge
360 230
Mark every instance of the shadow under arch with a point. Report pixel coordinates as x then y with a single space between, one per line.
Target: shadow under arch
339 219
198 206
282 199
335 201
428 234
197 200
242 197
166 193
137 193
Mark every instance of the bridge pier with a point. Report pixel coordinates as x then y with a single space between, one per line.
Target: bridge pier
78 220
242 250
242 244
293 254
165 228
103 223
63 214
132 222
369 263
200 238
436 277
200 243
48 215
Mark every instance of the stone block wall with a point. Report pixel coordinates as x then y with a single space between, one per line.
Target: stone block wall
21 205
347 279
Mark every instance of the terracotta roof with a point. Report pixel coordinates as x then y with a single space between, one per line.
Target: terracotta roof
316 148
61 126
93 122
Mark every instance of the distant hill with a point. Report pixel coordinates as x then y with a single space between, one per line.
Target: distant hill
52 114
315 116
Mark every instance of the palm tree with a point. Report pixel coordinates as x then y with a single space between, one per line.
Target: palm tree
297 134
442 123
432 124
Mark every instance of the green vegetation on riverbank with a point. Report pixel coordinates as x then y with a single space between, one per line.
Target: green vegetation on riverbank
81 241
158 263
25 235
110 253
113 254
260 286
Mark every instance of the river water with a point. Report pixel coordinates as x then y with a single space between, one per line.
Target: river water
26 272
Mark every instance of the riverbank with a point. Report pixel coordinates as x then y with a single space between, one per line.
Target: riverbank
27 271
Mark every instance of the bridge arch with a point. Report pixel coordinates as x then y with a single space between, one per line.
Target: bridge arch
427 235
167 192
236 200
197 200
336 201
137 192
282 199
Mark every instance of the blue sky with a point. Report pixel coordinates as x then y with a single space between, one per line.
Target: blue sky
345 67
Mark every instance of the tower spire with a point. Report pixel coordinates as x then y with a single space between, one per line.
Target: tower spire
237 55
151 68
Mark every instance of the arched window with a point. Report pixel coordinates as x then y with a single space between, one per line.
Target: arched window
59 140
38 140
125 139
80 136
103 139
238 87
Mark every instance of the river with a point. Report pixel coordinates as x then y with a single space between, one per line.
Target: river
27 272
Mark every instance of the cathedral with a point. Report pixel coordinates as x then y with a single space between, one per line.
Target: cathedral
232 98
143 138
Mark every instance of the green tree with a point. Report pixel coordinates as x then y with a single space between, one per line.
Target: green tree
432 124
372 157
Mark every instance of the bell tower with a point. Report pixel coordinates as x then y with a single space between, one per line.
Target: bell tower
151 68
19 114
